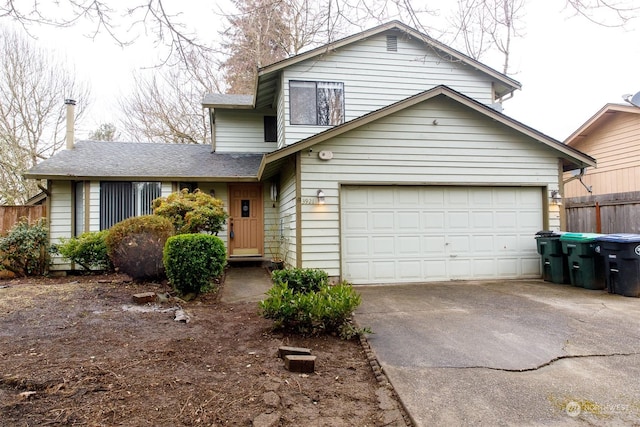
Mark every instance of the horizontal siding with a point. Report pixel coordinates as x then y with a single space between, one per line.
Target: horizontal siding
60 218
374 78
241 131
287 203
465 148
614 144
94 206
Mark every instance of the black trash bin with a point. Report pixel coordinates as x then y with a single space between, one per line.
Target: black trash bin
553 262
621 255
586 267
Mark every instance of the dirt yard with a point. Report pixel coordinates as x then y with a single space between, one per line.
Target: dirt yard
76 350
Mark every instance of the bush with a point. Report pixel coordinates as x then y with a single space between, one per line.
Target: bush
321 309
192 212
25 249
135 246
193 260
301 280
89 250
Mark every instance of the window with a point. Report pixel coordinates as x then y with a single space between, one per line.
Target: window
270 129
121 200
316 103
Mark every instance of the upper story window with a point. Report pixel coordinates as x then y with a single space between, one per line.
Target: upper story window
270 129
316 103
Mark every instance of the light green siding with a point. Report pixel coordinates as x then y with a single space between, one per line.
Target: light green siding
60 218
241 131
374 77
464 148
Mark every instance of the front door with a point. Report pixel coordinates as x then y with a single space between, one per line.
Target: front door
245 220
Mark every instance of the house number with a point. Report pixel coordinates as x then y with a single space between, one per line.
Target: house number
308 201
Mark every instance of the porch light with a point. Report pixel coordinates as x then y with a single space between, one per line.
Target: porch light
320 197
556 198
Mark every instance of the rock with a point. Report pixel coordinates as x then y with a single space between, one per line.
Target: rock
271 398
181 316
267 420
144 297
300 363
285 350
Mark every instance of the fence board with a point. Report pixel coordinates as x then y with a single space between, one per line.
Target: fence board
619 213
10 215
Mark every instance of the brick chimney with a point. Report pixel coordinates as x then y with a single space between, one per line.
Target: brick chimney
71 105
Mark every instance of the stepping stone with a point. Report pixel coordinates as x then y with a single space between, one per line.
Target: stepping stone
300 363
285 350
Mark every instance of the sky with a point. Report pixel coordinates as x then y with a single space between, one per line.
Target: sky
569 68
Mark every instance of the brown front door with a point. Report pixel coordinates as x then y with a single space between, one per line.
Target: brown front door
245 220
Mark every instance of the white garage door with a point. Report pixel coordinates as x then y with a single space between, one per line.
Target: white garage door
400 234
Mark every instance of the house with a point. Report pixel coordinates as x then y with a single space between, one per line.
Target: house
611 135
382 157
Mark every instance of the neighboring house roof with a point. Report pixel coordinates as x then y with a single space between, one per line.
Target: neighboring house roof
599 119
268 76
130 161
572 158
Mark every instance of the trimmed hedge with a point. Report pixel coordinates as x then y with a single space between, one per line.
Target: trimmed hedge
193 260
135 245
311 306
301 280
88 250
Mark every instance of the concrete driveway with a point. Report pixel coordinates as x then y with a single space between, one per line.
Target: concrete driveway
507 353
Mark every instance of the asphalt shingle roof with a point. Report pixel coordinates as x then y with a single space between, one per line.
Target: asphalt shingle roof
223 99
145 161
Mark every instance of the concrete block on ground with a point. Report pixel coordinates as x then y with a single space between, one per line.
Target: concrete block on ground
144 297
300 363
285 350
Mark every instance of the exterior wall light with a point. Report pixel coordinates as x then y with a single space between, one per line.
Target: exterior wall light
556 198
320 197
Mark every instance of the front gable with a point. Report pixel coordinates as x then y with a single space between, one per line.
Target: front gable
354 76
443 126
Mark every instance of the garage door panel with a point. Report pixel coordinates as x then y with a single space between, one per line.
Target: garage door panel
433 245
384 270
382 221
433 220
410 269
482 219
383 246
457 220
409 246
435 270
355 221
408 234
356 246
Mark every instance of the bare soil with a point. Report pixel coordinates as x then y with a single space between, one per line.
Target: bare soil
76 350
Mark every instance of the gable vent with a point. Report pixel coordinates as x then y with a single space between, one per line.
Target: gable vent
392 43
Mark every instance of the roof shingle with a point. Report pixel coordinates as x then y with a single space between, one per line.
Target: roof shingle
146 161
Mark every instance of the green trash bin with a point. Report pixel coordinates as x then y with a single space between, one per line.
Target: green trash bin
553 262
586 267
621 256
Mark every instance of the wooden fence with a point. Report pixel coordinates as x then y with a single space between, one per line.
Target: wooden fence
608 214
10 215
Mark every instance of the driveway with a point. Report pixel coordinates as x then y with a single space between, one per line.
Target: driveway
507 353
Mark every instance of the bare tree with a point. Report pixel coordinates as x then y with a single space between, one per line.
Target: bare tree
485 25
165 106
33 87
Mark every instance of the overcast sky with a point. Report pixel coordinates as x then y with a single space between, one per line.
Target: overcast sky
568 67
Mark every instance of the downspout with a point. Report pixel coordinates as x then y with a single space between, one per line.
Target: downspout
71 105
